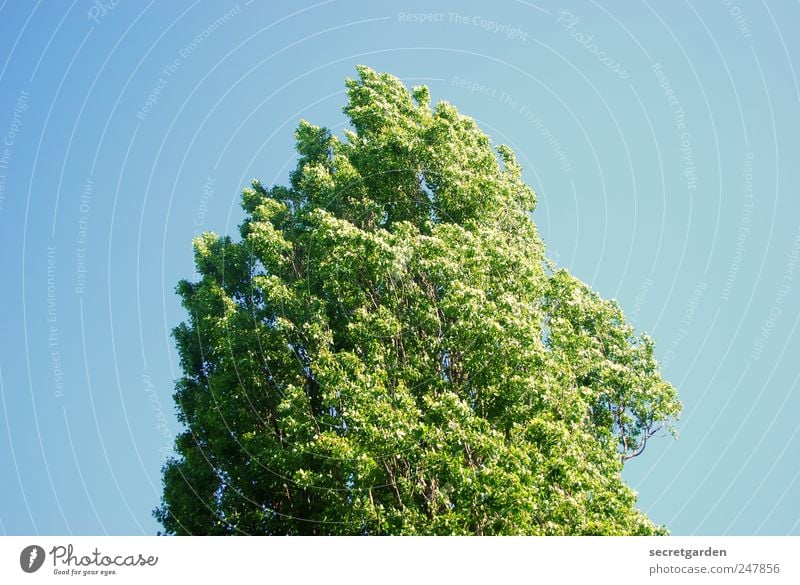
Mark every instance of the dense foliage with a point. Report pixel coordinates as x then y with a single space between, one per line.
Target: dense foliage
387 351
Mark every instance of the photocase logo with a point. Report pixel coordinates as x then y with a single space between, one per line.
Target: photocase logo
31 558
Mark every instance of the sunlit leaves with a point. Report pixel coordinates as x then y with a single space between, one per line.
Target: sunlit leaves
386 350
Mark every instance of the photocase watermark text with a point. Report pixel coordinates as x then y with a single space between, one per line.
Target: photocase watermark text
523 110
744 228
738 17
513 33
53 345
569 22
679 117
206 195
685 322
65 555
777 305
166 449
172 68
80 239
6 148
640 298
101 9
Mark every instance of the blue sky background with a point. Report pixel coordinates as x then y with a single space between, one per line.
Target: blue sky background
667 177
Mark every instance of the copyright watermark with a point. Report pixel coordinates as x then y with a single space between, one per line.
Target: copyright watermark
513 33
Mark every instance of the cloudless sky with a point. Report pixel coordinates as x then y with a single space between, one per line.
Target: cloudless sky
661 138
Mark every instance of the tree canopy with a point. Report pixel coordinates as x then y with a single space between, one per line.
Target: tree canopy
386 350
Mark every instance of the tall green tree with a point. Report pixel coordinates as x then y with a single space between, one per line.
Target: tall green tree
386 350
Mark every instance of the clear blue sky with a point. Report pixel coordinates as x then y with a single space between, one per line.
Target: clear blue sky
661 138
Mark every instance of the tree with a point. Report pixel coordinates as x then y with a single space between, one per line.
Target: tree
386 350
